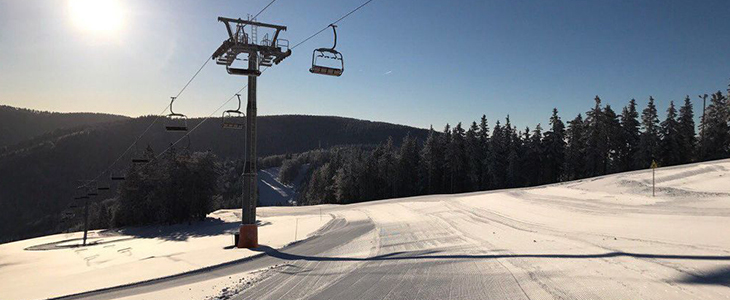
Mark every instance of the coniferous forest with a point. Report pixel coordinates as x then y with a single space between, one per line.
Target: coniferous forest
480 156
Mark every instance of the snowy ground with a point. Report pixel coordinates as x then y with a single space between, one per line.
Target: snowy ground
599 238
271 191
136 254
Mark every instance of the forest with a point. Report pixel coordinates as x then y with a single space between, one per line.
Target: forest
39 174
346 161
477 157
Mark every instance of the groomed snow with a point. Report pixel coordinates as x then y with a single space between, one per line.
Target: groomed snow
137 254
597 238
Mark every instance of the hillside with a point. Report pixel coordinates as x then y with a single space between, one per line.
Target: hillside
20 124
38 181
597 238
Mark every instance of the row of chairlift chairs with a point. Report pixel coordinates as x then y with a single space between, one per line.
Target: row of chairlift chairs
177 122
325 61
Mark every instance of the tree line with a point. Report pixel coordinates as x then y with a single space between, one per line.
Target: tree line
477 157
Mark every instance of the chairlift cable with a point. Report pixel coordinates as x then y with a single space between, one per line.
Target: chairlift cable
244 87
335 22
207 59
215 112
139 137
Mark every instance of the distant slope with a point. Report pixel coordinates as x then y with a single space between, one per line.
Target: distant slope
19 124
37 181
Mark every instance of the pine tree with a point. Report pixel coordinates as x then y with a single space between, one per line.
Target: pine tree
474 157
717 135
670 143
432 157
514 164
387 170
686 132
483 136
498 152
630 136
613 140
456 152
649 141
554 144
575 151
447 173
595 141
533 147
408 162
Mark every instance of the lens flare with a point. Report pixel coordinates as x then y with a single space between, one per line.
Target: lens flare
96 15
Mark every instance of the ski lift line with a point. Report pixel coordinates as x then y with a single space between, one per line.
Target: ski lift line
229 99
192 78
131 145
261 11
206 118
335 22
153 121
168 106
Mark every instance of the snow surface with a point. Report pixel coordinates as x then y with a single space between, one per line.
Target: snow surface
597 238
135 254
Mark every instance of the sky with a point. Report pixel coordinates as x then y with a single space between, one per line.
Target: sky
418 63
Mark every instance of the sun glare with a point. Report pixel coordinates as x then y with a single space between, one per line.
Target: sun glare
96 15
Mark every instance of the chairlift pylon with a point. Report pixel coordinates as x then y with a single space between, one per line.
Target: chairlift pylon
328 61
234 118
176 121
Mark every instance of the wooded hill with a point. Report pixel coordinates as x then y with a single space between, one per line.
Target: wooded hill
20 124
38 177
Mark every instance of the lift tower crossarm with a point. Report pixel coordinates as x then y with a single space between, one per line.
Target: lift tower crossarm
254 23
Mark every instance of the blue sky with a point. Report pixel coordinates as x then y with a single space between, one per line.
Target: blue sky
409 62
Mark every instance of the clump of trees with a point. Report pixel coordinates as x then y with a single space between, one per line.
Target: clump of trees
474 158
177 187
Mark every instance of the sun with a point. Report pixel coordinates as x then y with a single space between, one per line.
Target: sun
96 15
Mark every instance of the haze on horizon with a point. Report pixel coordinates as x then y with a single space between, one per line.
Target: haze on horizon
435 62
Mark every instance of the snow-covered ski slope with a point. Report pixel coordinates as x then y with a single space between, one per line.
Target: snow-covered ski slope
598 238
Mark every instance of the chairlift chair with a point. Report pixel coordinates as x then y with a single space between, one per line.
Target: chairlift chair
176 121
140 159
328 61
234 118
92 194
117 177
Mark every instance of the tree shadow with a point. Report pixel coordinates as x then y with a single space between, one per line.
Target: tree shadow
415 255
717 276
182 232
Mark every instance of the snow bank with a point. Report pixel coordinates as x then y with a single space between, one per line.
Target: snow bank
135 254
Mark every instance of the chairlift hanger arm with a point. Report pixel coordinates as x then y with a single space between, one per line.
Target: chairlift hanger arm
334 30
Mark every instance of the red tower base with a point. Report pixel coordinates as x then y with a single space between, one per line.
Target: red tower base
248 236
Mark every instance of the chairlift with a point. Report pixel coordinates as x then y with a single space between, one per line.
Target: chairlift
234 119
328 61
141 159
117 177
175 121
